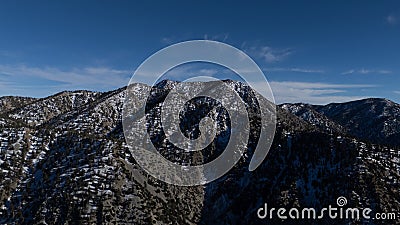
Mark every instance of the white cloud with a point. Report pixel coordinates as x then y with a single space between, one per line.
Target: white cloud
267 53
9 54
274 55
396 92
216 37
105 78
92 78
187 71
392 19
313 93
167 40
366 71
293 69
175 39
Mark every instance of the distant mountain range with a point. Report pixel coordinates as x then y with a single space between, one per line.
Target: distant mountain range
375 120
64 160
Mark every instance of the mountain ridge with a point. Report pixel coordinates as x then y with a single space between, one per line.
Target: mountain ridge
75 167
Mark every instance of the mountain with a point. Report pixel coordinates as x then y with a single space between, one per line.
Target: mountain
373 120
309 114
376 120
8 103
64 160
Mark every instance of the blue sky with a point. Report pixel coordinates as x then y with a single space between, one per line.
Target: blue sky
310 51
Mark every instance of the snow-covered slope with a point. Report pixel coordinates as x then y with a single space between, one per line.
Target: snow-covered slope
374 119
64 160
